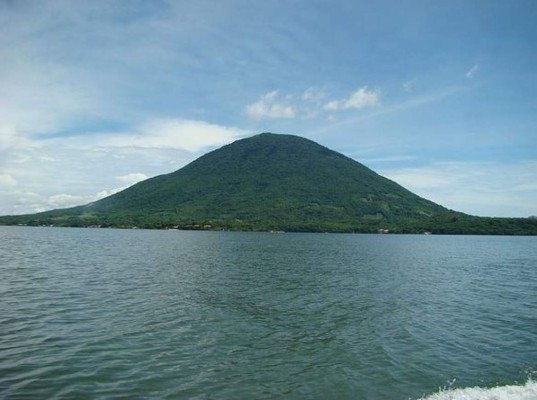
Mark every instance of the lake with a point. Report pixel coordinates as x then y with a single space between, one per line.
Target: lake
105 313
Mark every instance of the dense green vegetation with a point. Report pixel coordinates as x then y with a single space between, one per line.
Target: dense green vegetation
274 182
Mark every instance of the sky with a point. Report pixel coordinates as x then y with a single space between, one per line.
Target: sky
439 96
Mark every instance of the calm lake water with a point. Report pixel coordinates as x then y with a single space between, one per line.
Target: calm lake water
102 313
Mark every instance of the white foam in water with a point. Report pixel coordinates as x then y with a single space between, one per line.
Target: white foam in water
511 392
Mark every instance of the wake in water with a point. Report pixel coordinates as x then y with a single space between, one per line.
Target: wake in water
510 392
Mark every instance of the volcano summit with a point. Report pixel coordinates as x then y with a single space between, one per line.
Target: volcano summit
274 182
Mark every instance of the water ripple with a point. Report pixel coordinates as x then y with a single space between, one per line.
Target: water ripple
108 313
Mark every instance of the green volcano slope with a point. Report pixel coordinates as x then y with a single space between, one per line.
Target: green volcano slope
274 182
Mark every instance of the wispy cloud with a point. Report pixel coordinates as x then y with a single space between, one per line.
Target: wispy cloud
145 87
189 135
313 94
472 71
408 86
132 178
269 106
6 180
393 108
476 188
388 159
310 104
361 98
92 166
63 200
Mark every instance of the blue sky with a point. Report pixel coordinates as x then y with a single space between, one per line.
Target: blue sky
440 96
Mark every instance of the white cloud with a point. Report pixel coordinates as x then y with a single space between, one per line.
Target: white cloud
189 135
414 102
472 71
131 179
486 189
268 107
361 98
66 200
18 202
309 104
6 180
10 137
69 171
313 94
312 98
